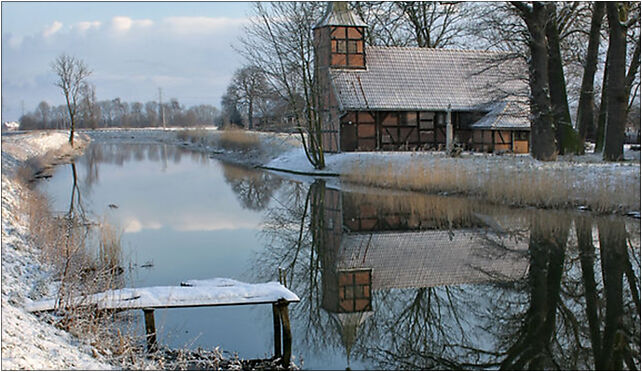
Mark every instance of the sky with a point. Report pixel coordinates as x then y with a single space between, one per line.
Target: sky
132 48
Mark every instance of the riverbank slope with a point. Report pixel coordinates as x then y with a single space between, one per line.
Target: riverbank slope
27 342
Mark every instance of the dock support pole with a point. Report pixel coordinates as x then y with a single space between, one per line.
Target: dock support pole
276 318
150 330
287 332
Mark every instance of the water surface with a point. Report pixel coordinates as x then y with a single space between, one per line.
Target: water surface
387 280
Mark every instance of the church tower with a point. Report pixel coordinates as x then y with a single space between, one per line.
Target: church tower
340 38
339 43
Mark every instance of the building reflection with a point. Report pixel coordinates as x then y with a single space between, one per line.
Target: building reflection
373 242
407 281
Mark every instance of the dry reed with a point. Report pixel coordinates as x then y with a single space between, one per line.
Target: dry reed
543 188
238 140
83 266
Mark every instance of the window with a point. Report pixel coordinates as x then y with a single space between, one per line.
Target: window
521 136
352 46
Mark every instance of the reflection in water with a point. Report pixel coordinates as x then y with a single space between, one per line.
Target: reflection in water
387 280
424 282
252 187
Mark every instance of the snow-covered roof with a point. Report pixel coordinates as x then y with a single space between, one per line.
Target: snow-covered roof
505 115
427 79
423 259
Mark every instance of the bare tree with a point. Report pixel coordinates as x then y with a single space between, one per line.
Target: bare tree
89 110
43 111
542 128
279 40
249 86
430 24
434 24
72 75
566 136
585 114
619 21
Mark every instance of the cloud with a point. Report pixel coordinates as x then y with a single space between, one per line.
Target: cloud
13 40
86 25
55 27
124 24
134 225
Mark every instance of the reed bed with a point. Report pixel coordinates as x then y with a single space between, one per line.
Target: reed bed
509 185
238 140
85 258
230 138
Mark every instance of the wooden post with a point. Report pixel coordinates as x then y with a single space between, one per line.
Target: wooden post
287 332
150 330
276 318
449 131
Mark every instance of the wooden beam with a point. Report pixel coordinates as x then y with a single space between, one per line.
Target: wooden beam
276 318
287 333
150 330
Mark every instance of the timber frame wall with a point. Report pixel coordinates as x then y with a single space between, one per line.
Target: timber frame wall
420 130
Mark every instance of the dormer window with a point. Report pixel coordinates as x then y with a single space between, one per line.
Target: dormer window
347 46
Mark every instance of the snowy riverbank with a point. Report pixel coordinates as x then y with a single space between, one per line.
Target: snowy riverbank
27 342
584 181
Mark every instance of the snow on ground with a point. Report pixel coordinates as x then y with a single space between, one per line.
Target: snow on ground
284 152
295 160
586 168
27 342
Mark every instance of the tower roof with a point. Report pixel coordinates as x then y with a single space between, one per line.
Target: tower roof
338 14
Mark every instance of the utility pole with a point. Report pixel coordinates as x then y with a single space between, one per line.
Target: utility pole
161 109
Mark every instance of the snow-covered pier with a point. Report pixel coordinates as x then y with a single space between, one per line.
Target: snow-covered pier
193 293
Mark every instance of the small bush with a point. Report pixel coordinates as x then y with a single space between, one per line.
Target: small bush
201 136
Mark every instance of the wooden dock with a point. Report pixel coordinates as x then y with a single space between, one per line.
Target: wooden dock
194 293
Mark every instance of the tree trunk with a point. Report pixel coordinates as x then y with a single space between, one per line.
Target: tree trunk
583 227
546 248
585 120
250 113
604 104
542 131
633 70
567 138
616 110
613 253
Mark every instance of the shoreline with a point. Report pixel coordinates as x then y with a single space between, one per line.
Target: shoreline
30 341
583 182
27 341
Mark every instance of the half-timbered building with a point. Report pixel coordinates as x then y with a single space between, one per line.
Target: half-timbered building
402 98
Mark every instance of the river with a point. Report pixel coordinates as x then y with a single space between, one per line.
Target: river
387 280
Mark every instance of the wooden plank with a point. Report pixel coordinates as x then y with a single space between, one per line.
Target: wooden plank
194 294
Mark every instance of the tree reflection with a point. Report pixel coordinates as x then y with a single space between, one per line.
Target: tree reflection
253 188
571 309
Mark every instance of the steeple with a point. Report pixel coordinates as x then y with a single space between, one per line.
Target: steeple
338 14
